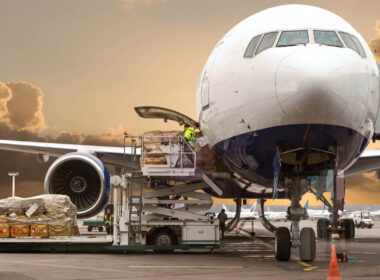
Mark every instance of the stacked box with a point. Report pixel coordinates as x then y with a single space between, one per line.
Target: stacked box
43 212
39 230
5 230
153 154
20 230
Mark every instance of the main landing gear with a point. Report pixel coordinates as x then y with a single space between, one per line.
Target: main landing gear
304 239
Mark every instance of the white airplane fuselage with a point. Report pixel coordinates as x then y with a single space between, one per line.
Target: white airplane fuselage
303 95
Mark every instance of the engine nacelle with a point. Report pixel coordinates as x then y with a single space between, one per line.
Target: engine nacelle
82 177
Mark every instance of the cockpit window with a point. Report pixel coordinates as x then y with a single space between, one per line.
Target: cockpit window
328 38
267 42
348 41
292 38
358 46
252 46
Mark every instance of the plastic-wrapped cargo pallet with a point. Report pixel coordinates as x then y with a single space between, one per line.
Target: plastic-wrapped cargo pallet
38 216
153 140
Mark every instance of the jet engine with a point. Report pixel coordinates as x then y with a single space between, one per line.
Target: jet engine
82 177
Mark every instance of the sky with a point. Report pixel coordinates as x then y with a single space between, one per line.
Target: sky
72 71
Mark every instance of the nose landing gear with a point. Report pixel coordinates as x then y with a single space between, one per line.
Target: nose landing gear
303 239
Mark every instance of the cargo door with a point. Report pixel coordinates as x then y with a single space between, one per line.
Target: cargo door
165 114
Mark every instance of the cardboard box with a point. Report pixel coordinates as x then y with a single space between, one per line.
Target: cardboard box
20 230
3 217
39 230
5 230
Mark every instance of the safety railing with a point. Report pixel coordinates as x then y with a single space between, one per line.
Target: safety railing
162 151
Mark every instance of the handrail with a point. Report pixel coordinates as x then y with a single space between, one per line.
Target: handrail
163 141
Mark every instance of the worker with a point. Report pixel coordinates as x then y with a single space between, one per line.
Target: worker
189 136
108 221
189 146
222 221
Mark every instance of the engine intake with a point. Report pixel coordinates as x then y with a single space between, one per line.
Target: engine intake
82 177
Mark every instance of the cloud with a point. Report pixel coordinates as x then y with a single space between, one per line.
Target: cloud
131 4
24 108
374 44
5 95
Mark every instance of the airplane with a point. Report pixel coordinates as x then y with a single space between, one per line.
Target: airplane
245 214
288 94
375 214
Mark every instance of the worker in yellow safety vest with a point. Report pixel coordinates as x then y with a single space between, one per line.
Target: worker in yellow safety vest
108 221
189 136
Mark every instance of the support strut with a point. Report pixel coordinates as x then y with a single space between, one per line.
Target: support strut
231 224
295 212
266 224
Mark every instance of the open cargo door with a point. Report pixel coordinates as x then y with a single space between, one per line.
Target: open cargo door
165 114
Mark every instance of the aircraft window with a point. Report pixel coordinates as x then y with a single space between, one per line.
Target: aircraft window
358 46
267 42
292 38
328 38
348 41
252 46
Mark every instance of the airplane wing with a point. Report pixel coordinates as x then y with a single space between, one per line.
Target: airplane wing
109 155
368 161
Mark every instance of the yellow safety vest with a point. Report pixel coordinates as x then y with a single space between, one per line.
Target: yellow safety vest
108 221
190 136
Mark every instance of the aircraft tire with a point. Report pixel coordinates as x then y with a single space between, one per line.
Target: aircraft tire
308 243
322 225
282 244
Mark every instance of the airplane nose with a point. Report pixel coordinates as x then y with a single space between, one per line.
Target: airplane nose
312 84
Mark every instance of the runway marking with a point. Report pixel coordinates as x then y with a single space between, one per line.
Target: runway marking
308 266
164 275
188 266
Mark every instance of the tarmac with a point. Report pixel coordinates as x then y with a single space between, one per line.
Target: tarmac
240 257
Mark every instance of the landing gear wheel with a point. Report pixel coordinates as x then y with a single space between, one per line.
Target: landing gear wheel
307 248
349 228
89 228
282 244
322 225
164 237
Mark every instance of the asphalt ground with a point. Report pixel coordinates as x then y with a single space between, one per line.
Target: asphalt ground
240 257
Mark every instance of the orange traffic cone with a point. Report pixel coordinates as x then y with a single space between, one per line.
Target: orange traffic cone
334 269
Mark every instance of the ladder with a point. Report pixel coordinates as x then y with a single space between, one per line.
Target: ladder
135 208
